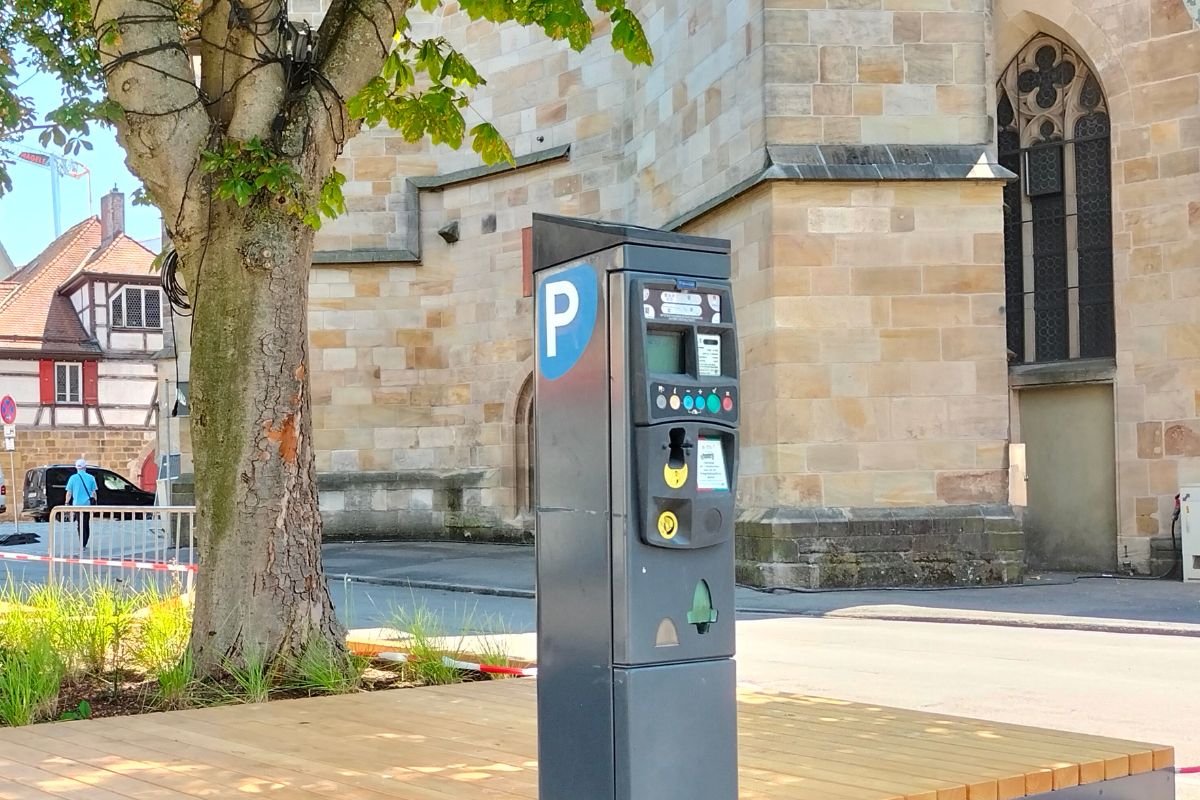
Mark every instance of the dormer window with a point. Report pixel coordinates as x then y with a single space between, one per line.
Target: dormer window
138 308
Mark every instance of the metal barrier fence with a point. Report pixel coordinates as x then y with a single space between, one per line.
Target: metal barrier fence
139 546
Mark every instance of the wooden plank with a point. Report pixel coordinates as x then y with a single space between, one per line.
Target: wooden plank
188 778
1102 758
11 790
955 777
318 763
111 751
480 741
969 729
1038 771
1161 753
47 783
26 751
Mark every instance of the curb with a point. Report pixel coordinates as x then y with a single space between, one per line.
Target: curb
1034 621
494 591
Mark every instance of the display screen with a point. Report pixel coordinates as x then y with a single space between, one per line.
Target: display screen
664 353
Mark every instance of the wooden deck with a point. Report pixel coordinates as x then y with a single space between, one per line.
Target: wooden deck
478 741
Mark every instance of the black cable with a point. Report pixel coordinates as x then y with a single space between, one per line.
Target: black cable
1176 550
176 295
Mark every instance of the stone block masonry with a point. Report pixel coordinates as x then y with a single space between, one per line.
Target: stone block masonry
1146 54
872 312
120 449
874 383
858 547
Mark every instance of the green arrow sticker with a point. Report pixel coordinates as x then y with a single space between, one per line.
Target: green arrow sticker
702 614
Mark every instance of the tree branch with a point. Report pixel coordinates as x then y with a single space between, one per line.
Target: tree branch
258 83
354 40
149 75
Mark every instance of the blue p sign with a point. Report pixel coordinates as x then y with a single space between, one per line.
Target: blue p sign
566 316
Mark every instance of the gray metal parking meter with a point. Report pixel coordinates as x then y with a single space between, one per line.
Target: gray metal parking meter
636 412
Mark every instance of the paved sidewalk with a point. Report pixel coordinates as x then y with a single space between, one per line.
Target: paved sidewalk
1050 601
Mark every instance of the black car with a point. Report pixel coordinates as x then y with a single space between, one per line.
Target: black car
46 489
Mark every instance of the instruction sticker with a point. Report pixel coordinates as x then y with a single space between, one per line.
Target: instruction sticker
708 352
710 466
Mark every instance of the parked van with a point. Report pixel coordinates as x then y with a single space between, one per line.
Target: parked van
46 489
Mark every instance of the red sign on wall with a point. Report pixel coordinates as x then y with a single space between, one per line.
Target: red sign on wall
8 410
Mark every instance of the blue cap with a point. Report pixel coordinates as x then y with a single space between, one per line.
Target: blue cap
80 464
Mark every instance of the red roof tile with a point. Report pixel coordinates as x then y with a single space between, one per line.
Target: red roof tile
122 256
34 316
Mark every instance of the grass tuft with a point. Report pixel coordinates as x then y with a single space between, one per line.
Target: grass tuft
425 629
30 678
254 678
323 669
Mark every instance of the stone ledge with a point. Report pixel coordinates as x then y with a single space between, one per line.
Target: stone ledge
488 170
1088 370
407 479
848 162
411 252
859 547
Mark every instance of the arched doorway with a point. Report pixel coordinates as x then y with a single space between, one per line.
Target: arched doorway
148 479
523 447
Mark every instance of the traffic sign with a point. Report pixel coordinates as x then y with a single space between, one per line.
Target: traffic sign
10 431
10 444
8 410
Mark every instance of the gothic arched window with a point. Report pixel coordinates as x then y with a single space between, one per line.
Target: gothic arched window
1053 132
523 448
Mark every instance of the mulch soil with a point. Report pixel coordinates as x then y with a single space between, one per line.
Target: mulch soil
131 693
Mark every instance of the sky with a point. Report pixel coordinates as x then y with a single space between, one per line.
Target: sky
26 218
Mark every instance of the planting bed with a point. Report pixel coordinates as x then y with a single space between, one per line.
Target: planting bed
103 651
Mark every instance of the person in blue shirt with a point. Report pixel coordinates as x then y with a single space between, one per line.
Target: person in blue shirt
81 491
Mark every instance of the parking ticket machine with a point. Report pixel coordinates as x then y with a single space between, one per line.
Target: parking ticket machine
636 437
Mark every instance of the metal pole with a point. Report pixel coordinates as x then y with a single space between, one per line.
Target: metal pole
12 467
54 197
50 544
170 443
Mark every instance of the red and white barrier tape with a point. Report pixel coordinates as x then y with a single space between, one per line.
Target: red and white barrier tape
453 663
102 562
1188 770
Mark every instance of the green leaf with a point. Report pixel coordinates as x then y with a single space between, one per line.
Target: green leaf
490 145
242 192
460 71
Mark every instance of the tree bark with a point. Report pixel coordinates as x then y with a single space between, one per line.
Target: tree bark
261 591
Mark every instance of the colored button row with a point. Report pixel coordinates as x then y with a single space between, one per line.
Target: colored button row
689 402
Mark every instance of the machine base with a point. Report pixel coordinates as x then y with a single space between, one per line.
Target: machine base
676 731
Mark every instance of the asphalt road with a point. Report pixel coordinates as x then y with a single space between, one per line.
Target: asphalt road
1116 684
1122 685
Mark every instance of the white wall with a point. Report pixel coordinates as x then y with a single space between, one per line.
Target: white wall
20 380
124 418
121 383
80 299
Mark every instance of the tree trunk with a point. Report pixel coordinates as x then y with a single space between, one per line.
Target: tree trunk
261 591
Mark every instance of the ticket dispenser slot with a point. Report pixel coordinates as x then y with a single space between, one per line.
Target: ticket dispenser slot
636 434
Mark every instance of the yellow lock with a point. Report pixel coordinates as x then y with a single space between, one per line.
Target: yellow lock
675 477
668 525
